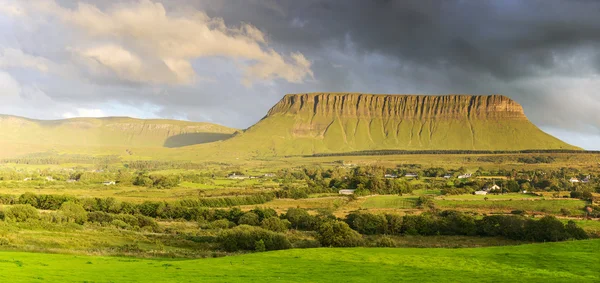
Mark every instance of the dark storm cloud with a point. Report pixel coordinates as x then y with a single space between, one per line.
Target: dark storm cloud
544 54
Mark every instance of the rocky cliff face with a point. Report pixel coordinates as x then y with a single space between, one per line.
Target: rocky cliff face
399 106
337 122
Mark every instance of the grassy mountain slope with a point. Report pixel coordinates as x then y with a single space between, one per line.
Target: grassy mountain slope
318 123
550 262
112 131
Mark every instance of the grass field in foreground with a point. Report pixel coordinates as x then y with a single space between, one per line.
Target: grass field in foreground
550 262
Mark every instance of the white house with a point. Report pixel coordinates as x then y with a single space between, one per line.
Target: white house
447 176
346 192
237 177
494 187
465 176
410 175
109 183
483 193
391 176
574 180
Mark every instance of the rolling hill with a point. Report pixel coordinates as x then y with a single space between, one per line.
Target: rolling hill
111 131
341 122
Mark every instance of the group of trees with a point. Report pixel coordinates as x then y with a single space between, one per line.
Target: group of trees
513 227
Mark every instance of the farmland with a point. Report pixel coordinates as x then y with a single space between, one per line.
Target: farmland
550 262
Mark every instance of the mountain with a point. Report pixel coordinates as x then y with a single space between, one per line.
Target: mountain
111 131
340 122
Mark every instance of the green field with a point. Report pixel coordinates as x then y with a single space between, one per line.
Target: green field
552 262
546 206
400 202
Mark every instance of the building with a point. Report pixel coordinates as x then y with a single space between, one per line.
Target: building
411 175
346 192
237 177
574 180
391 176
465 176
586 180
483 193
109 183
447 176
494 187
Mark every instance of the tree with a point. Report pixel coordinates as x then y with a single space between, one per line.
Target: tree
74 212
338 234
275 224
249 218
21 213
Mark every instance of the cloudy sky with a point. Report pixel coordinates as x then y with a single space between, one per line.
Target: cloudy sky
229 61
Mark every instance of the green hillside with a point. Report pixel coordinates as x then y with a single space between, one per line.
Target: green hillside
21 133
320 123
552 262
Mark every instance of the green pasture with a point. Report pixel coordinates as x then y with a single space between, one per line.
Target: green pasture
551 262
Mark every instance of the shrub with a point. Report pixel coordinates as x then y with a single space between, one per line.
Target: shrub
300 219
275 224
22 212
385 242
120 224
74 212
259 246
367 223
220 224
338 234
245 237
249 218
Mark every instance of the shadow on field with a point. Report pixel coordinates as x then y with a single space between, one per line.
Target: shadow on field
194 138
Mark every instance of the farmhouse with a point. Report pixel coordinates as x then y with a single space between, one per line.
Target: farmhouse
109 183
494 187
237 177
481 193
465 176
346 192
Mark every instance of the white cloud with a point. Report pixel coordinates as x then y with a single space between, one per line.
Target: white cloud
9 87
84 112
143 42
15 58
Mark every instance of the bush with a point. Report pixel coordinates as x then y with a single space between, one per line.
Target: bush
120 224
220 224
385 242
338 234
275 224
74 212
249 218
21 213
245 237
300 219
367 223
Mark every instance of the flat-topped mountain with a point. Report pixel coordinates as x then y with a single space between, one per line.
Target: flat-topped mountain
338 122
111 131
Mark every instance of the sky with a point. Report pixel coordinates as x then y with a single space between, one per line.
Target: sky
229 61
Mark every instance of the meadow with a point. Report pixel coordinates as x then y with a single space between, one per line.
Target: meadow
549 262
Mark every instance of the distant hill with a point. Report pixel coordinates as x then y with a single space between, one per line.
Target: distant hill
341 122
111 131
